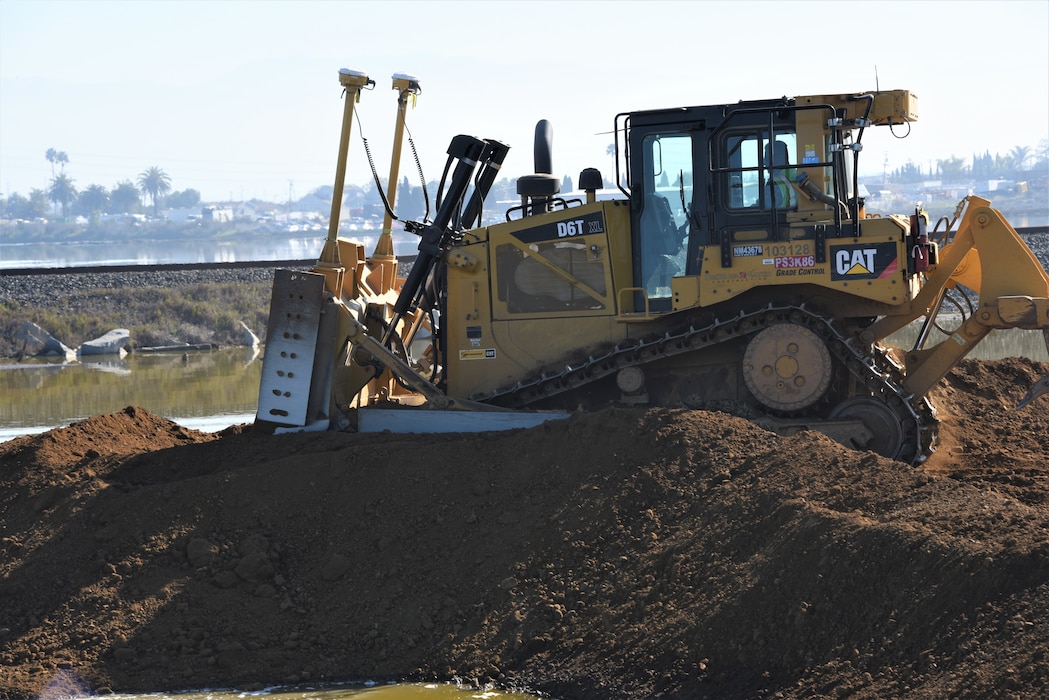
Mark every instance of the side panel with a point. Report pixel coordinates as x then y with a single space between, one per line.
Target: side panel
872 266
533 292
559 265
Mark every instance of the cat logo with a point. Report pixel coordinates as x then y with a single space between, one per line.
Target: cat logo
860 262
864 262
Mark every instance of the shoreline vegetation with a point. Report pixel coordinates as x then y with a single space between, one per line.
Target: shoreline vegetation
197 307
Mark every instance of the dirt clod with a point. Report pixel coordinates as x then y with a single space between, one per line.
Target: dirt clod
630 553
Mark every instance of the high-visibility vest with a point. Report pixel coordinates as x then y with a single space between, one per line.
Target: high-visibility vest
780 188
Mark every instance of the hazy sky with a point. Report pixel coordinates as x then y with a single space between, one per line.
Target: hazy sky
241 99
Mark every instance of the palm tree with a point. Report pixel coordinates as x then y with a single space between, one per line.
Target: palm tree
93 199
155 183
124 198
52 156
62 191
1018 156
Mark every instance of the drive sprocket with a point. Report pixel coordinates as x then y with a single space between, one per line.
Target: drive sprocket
787 367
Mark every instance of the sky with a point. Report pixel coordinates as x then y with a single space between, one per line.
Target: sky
241 100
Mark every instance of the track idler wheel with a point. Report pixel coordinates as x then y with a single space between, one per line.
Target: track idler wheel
879 419
787 367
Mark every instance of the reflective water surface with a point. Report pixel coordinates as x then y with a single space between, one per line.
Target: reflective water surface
149 252
143 251
201 390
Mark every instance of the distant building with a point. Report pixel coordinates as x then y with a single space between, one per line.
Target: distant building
220 214
985 186
312 203
181 215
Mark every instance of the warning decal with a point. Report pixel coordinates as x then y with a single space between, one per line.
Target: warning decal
478 354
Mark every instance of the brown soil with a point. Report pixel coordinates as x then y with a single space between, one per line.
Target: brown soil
627 553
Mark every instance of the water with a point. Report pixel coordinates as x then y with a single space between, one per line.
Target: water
1025 220
201 390
152 252
147 252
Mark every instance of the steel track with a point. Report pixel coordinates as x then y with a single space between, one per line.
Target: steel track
872 367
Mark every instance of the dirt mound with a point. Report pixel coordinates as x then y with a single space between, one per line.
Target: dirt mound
626 553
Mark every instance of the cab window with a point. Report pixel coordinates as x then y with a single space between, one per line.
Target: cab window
667 198
757 168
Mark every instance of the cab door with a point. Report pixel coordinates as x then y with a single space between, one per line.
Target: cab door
667 192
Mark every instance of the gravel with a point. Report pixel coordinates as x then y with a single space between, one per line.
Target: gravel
1039 245
43 289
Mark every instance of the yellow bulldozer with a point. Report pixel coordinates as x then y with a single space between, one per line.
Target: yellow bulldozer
734 267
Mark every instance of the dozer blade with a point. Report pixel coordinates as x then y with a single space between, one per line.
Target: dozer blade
296 369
